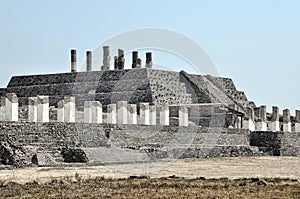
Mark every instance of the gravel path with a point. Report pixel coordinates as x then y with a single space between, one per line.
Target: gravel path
232 168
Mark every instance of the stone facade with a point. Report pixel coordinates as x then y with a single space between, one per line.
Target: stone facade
133 85
24 144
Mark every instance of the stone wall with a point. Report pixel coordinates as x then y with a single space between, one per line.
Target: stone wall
277 143
25 143
45 142
131 136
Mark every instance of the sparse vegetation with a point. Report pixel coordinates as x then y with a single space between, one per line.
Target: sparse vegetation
146 187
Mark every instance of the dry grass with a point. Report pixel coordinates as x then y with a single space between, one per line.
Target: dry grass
82 181
145 187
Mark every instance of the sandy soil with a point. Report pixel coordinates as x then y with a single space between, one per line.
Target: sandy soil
232 168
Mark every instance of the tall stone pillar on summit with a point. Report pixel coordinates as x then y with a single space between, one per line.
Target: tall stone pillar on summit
88 61
149 60
135 56
73 61
106 58
121 59
115 62
138 63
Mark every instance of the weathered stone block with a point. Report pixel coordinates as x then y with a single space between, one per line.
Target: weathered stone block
144 114
32 109
42 108
122 115
111 114
69 109
132 114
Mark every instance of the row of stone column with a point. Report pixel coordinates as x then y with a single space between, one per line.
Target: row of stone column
124 113
257 120
119 61
38 109
120 113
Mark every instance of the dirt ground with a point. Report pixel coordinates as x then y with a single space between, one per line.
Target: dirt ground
232 168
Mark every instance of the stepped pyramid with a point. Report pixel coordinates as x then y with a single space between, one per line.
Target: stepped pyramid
133 85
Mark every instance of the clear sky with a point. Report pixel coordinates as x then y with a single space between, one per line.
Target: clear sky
254 42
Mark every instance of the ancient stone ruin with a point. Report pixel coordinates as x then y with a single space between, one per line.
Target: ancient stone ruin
132 115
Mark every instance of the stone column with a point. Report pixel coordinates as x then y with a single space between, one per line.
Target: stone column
87 112
132 114
287 126
164 115
238 122
111 114
144 114
297 121
104 118
106 58
60 111
2 108
88 61
116 63
261 124
32 109
11 107
121 59
122 115
275 119
135 56
139 63
96 112
73 61
153 115
248 122
43 108
69 109
183 116
148 60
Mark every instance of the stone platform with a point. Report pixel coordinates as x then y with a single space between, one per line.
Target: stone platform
132 85
48 144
